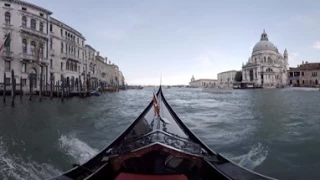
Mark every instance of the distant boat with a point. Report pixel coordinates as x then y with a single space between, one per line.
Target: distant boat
95 93
134 87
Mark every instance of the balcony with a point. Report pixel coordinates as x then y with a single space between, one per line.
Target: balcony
27 30
7 26
32 58
7 54
70 56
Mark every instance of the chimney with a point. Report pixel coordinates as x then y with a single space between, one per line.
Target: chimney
109 62
302 62
98 53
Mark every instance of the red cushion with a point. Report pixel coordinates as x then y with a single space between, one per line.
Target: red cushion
127 176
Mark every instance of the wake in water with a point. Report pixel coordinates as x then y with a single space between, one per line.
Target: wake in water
15 167
76 148
253 158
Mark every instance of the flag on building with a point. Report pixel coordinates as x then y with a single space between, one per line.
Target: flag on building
6 42
156 106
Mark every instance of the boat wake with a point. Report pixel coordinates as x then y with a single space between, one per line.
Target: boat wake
13 166
253 158
74 147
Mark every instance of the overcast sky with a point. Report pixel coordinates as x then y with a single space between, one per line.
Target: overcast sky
181 38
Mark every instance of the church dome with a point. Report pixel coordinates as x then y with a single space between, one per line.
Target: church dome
264 44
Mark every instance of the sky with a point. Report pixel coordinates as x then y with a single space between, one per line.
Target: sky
174 39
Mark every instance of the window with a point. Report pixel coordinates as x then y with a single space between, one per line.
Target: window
78 68
33 48
7 18
61 47
41 50
33 24
67 65
50 43
24 21
41 14
302 73
78 40
61 65
7 5
50 27
41 27
7 66
24 9
51 63
24 46
78 52
23 68
61 32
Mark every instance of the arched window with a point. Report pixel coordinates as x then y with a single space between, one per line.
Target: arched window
75 67
33 47
24 46
7 18
24 21
62 47
33 24
41 27
67 66
264 59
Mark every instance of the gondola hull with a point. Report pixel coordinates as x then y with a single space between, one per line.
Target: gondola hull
158 145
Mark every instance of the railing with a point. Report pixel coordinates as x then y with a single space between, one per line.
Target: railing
7 26
34 31
33 58
7 54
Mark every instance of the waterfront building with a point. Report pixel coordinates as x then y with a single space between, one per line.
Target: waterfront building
203 82
27 53
66 47
40 44
226 79
266 67
305 75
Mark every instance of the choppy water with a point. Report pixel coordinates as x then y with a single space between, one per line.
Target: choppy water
275 132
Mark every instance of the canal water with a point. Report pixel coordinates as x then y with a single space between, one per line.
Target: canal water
274 132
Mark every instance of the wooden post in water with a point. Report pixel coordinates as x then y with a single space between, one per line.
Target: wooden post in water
41 83
58 90
51 87
31 84
62 85
79 86
21 92
13 88
4 88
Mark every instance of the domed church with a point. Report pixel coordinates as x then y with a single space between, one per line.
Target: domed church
266 67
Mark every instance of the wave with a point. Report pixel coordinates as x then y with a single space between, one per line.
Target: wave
253 158
15 167
74 147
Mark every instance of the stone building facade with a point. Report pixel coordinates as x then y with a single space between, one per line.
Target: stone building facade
41 44
266 67
226 79
203 82
305 75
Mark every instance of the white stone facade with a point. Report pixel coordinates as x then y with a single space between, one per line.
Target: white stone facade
62 49
226 79
203 82
266 67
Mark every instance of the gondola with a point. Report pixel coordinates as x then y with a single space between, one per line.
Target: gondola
158 146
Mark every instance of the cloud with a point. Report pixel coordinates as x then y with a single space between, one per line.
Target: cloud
316 45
